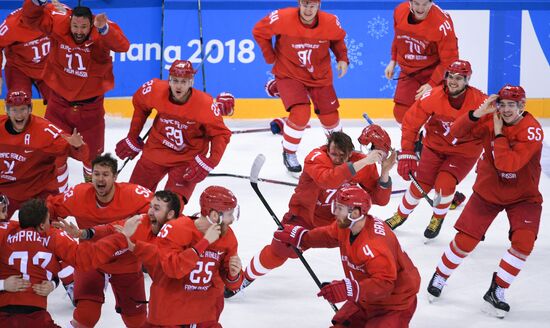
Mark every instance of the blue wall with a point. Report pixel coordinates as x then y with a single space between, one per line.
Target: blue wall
236 63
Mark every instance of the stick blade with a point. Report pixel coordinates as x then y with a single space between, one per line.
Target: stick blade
256 167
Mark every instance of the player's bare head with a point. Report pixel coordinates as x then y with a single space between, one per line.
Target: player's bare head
181 79
82 21
219 206
4 203
339 147
511 103
104 174
18 109
309 10
34 214
350 205
164 206
420 8
457 77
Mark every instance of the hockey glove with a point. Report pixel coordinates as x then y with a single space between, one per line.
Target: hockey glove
277 125
271 89
290 235
198 169
129 147
407 162
340 290
225 103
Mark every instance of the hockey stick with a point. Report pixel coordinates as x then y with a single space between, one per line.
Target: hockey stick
254 172
230 175
148 131
203 56
251 130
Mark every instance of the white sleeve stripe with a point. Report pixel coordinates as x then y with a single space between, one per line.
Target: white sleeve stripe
202 164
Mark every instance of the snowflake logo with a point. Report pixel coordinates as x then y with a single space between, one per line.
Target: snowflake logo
354 52
377 27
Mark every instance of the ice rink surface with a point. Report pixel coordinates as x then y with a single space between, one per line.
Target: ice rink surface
286 297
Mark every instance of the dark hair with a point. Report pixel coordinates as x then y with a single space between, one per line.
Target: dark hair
32 213
83 12
106 160
342 141
172 199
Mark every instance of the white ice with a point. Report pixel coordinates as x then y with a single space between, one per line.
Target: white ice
286 297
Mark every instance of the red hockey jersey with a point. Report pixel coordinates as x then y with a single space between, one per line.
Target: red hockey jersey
88 67
431 42
180 131
27 159
386 275
301 52
320 180
80 201
435 112
509 169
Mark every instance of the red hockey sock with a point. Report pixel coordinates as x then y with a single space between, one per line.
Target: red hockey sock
87 313
514 258
455 254
445 185
134 321
330 122
262 263
295 126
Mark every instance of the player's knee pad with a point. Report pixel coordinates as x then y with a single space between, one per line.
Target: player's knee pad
330 120
445 183
135 320
465 242
416 192
399 111
523 241
87 313
299 116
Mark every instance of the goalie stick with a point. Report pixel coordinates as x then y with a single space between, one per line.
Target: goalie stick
254 172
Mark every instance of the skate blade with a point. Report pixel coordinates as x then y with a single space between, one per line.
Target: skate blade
490 310
295 175
428 240
432 299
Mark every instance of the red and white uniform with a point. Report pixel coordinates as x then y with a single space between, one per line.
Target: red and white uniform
318 184
26 51
388 279
180 132
37 257
76 71
509 169
80 201
187 287
430 43
301 52
435 112
28 159
78 74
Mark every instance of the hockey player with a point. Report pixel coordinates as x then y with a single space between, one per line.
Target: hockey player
381 281
445 161
301 65
79 69
188 137
191 262
507 179
31 248
424 45
326 169
29 146
26 52
99 202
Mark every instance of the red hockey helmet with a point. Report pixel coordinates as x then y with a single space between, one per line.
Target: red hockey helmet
510 92
217 198
461 67
17 98
182 68
375 135
354 196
